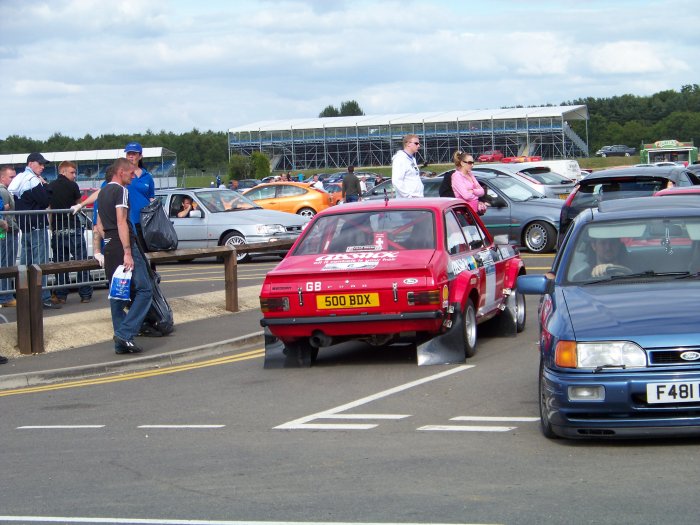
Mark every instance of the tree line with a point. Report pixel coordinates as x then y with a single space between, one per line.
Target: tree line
625 119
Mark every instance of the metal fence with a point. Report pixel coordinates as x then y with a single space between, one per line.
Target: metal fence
39 237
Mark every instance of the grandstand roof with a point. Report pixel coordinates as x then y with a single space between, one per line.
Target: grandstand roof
565 112
82 156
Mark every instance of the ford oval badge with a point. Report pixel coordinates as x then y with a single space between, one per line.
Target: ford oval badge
410 281
690 356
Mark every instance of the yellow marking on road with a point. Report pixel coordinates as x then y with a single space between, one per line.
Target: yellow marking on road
253 354
539 268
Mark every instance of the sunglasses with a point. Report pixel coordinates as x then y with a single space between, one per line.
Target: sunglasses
470 162
416 143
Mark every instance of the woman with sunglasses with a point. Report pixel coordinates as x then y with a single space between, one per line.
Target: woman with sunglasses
464 183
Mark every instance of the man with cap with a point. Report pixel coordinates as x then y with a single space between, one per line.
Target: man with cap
142 189
30 191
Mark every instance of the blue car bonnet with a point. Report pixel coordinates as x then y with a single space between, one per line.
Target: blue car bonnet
653 314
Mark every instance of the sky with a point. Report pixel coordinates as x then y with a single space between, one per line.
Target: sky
96 67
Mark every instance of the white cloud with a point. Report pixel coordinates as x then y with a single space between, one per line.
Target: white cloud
97 66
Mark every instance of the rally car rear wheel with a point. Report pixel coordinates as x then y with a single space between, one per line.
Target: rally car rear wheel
469 333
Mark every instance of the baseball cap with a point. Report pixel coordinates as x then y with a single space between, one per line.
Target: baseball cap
133 146
36 157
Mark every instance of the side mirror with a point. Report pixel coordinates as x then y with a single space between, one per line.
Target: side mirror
499 202
195 214
533 284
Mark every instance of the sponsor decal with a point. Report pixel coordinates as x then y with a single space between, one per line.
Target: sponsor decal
372 256
360 265
361 249
281 288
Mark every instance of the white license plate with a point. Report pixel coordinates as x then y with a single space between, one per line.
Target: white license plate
673 392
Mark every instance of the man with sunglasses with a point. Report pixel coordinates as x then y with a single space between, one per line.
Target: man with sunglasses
405 174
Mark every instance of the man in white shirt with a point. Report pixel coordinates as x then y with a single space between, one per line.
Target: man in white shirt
405 174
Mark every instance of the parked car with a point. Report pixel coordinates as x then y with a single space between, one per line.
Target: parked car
541 179
621 183
527 218
292 197
408 270
492 155
85 193
335 190
244 184
678 191
618 323
224 217
618 150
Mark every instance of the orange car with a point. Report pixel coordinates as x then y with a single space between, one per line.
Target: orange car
335 190
292 197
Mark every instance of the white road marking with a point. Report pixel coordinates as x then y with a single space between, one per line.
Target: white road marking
466 428
479 428
181 426
51 427
147 521
303 422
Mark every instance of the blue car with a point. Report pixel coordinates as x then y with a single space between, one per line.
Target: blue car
619 332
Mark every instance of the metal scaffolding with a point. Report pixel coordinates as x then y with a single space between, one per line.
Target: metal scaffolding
337 142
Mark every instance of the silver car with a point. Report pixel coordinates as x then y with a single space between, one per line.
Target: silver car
224 217
541 179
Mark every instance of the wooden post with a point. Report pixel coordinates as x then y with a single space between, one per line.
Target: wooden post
36 309
231 279
24 328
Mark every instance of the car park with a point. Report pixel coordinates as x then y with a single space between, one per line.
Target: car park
225 217
291 197
406 270
621 183
540 178
617 150
619 340
515 210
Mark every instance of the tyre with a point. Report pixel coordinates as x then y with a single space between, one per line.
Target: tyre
545 425
516 306
307 212
234 239
539 237
469 333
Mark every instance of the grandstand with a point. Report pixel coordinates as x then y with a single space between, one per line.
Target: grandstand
160 162
337 142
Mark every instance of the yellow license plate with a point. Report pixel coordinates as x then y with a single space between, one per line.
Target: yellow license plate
563 196
347 300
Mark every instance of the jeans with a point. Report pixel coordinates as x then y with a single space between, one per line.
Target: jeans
352 198
127 324
65 243
35 250
8 257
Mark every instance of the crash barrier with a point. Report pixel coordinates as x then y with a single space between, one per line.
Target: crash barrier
30 311
44 236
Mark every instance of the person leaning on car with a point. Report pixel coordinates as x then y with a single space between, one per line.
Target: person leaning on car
351 186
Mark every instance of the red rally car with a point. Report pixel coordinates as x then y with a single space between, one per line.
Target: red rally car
424 271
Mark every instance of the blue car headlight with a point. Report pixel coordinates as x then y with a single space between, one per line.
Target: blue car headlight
600 354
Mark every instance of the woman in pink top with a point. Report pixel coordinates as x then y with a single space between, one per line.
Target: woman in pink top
464 184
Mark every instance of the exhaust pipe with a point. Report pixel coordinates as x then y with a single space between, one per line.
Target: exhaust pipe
319 339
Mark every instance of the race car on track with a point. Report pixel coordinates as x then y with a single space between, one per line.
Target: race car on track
390 271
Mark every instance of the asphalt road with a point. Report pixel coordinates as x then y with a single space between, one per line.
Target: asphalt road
364 436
